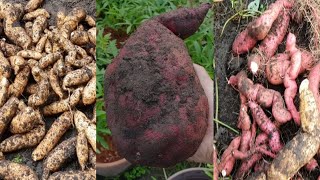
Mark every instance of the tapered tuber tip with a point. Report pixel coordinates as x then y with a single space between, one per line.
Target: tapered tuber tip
254 67
224 173
304 85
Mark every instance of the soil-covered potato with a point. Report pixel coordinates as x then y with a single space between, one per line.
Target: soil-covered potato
157 109
11 170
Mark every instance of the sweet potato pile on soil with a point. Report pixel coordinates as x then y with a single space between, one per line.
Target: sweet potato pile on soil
47 73
262 65
157 110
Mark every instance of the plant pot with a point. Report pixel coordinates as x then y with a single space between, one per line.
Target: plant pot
190 174
109 163
113 168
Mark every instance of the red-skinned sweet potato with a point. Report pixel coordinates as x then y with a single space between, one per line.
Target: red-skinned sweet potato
158 101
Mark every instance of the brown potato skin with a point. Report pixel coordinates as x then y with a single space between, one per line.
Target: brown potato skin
11 170
7 112
79 175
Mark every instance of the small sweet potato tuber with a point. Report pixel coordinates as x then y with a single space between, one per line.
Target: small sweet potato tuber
89 92
7 111
20 82
4 88
30 54
25 120
11 170
85 175
55 85
227 160
20 141
41 96
56 131
82 149
39 12
79 76
32 5
17 63
58 156
83 124
263 96
38 26
64 104
5 67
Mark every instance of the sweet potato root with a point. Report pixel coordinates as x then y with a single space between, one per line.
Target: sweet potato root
79 76
264 97
89 92
269 45
4 88
277 67
20 141
55 85
32 5
58 156
64 104
11 170
83 124
82 149
56 131
227 160
25 120
7 111
39 12
85 175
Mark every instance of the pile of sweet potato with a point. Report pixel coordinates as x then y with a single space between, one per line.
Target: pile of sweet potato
260 137
46 71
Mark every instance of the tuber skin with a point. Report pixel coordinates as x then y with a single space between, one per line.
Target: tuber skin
184 22
269 45
152 120
7 111
11 170
227 160
266 126
264 97
259 28
4 88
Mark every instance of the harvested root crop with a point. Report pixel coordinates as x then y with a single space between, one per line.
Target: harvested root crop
82 149
85 175
11 170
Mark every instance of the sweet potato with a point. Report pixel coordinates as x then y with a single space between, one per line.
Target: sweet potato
85 175
49 59
28 28
92 35
56 131
5 67
276 68
18 35
11 170
20 141
8 49
92 158
263 96
90 20
89 92
266 126
83 124
60 19
78 62
7 111
32 5
227 160
80 51
20 82
38 26
32 15
48 47
25 120
4 88
54 82
71 21
59 68
41 96
79 37
30 54
151 132
58 156
82 149
41 43
270 44
79 76
17 63
64 104
301 149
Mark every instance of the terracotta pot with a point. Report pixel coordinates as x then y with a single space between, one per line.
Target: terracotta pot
112 168
190 174
113 164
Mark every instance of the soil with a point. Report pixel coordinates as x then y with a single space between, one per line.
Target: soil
227 65
166 110
25 154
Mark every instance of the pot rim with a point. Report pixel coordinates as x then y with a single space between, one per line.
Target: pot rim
114 163
187 170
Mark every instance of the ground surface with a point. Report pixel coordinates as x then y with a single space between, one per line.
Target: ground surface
24 155
226 66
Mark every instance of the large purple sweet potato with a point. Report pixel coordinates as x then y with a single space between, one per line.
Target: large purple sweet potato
157 110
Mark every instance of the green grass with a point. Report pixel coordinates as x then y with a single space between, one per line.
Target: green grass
17 159
127 15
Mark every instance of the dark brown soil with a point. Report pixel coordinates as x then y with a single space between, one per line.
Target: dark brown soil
227 65
155 104
25 154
